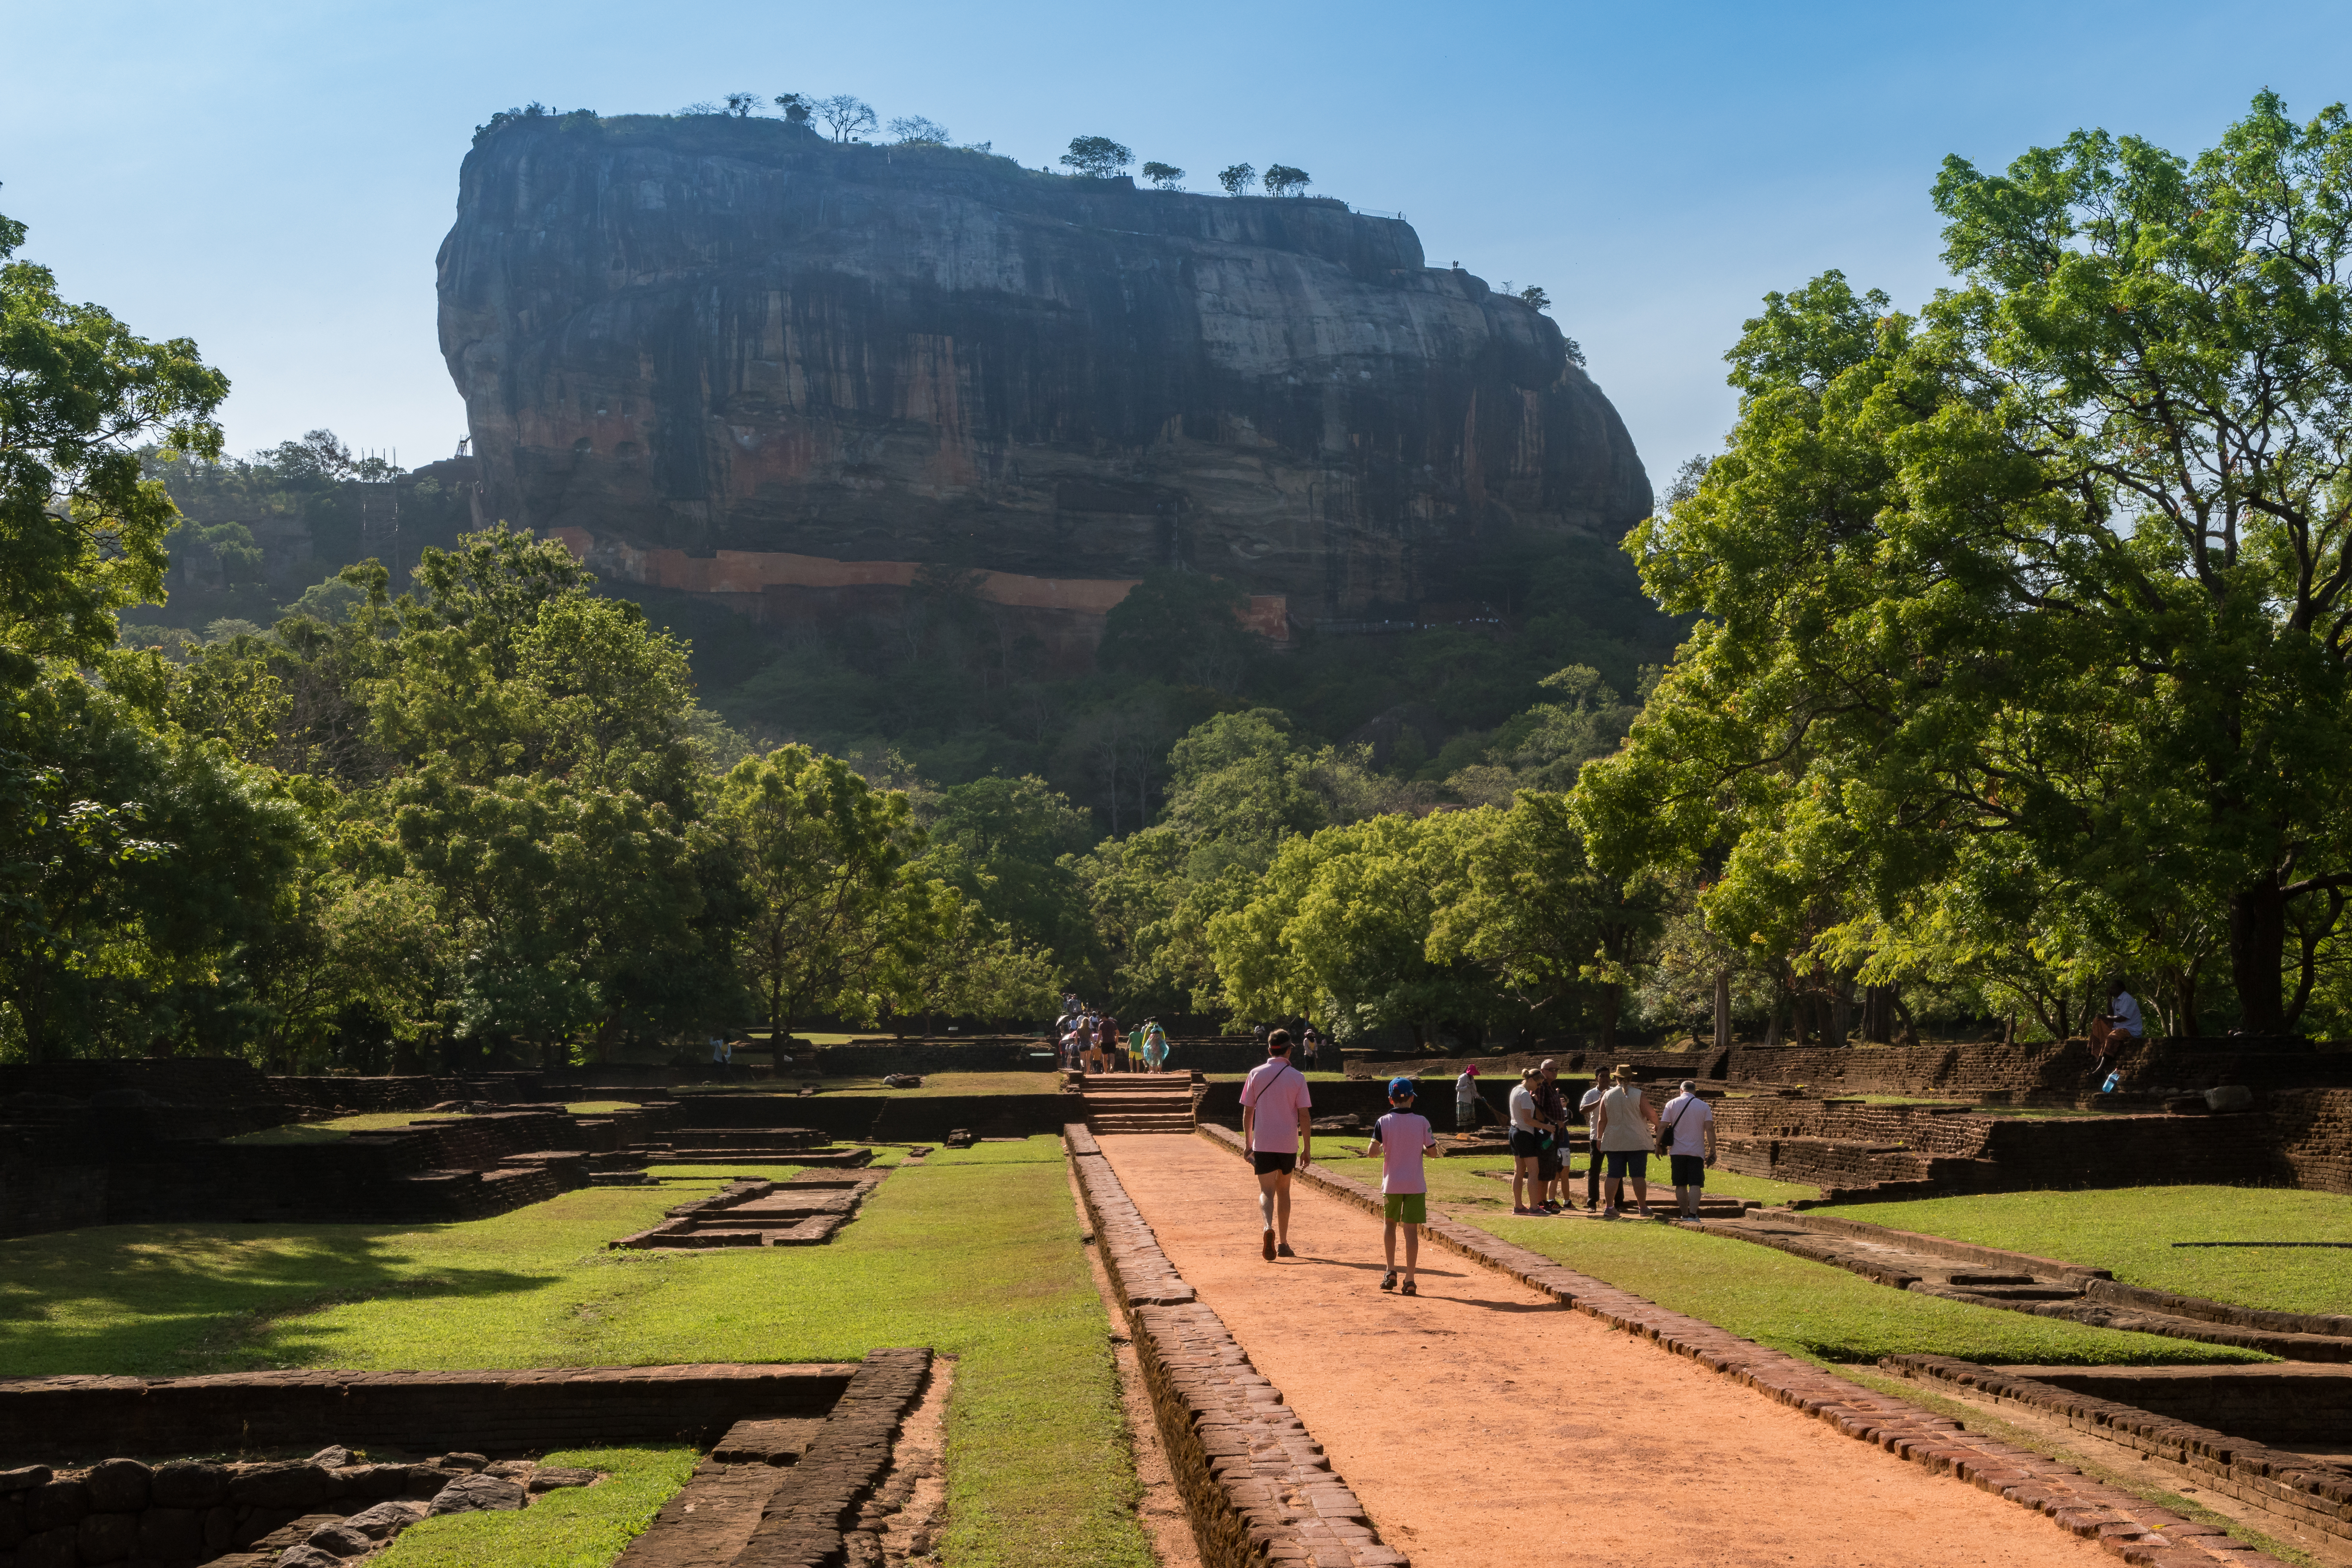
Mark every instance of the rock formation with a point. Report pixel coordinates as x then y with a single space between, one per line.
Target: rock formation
689 337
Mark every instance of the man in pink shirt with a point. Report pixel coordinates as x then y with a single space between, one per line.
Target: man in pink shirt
1279 1136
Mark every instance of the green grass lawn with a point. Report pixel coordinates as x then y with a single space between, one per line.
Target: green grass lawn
2130 1231
573 1528
1807 1308
974 1253
334 1128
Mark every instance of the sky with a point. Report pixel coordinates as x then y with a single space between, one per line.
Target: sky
273 180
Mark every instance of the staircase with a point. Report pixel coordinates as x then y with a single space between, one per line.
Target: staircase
1138 1102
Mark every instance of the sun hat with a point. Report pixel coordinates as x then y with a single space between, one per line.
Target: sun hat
1471 1068
1404 1087
1623 1071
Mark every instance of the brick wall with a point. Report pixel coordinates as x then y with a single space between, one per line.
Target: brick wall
2313 1128
56 1420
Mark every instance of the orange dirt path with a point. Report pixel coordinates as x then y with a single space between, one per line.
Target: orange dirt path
1484 1425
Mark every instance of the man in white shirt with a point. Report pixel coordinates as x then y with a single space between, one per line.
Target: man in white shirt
1590 1106
1279 1134
1691 1120
1465 1100
2118 1029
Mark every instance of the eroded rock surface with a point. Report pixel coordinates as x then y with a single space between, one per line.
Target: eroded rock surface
704 334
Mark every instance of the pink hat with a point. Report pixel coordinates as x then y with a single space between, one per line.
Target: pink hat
1472 1070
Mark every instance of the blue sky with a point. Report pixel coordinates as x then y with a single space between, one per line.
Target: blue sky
274 180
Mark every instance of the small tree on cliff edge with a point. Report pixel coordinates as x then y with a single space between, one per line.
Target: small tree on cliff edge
741 104
1238 178
845 116
795 107
1097 157
1166 176
1282 180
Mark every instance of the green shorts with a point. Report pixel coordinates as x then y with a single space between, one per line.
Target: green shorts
1405 1208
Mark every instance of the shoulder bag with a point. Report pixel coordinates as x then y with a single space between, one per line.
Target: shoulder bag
1666 1128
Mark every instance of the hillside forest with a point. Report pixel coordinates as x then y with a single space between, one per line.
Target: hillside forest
2001 652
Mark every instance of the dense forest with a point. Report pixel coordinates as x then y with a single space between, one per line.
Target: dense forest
2009 654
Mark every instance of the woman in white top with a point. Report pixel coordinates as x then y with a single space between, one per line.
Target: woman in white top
1627 1129
1527 1130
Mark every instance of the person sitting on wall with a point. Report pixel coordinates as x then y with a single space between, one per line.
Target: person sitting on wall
2116 1030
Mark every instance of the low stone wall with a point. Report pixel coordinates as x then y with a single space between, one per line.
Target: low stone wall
2048 1070
882 1117
2314 1129
57 1420
1860 1151
981 1053
2287 1485
1255 1483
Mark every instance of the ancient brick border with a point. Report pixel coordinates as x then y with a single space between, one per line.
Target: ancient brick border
803 1525
2274 1480
2134 1530
1255 1481
46 1420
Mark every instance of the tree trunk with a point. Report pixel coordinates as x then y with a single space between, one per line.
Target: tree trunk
1613 1001
2184 1003
1723 1009
1841 1008
2257 942
1878 1014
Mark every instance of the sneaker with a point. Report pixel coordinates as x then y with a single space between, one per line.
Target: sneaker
1388 1280
1551 1208
1267 1246
1406 1289
1611 1214
1520 1211
1282 1250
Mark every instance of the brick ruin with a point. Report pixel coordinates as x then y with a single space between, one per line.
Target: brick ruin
794 1458
118 1142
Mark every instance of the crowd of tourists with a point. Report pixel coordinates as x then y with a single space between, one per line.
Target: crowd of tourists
1625 1131
1088 1040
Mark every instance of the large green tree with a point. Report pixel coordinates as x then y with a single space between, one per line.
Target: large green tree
836 916
2065 564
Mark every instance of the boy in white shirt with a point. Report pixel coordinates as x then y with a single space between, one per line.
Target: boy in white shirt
1400 1138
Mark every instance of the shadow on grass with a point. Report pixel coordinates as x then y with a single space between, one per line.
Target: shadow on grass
159 1299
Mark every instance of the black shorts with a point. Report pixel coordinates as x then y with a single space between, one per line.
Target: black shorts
1548 1163
1633 1162
1525 1145
1690 1169
1266 1163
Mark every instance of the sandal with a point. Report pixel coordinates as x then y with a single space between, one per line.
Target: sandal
1406 1289
1267 1246
1388 1280
1282 1250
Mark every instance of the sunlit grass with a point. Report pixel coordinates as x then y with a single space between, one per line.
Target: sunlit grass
974 1253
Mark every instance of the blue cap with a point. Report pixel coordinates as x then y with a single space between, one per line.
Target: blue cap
1402 1086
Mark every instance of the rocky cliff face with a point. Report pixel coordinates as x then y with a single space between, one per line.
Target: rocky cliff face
709 334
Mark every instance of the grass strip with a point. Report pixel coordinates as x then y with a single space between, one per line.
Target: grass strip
974 1253
1793 1304
576 1527
2129 1231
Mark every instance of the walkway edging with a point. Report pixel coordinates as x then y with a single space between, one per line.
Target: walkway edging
1255 1483
2123 1524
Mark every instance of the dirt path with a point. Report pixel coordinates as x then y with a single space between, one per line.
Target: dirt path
1482 1423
